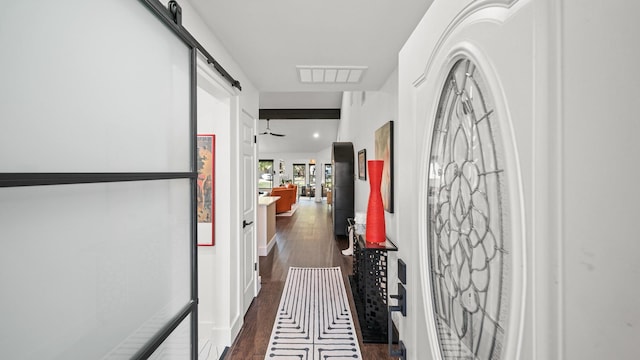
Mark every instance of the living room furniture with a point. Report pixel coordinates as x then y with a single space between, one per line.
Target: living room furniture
342 207
266 223
288 195
310 190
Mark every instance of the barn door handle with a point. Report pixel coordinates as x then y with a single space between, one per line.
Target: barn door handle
245 223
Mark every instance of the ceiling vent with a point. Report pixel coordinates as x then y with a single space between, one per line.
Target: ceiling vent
316 74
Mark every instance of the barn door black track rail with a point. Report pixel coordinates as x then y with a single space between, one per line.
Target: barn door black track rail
172 17
38 179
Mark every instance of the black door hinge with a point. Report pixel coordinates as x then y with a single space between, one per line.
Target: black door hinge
255 266
255 139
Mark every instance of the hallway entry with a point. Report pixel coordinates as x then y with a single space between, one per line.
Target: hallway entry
305 239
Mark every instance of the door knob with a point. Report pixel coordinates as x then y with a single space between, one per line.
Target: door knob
401 352
245 223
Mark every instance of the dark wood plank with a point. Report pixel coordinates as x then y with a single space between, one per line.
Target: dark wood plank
299 114
306 240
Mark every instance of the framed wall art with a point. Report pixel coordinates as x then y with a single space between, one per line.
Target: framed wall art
205 189
362 164
384 151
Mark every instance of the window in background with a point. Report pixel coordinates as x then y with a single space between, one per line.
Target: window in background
299 175
265 173
327 176
312 175
311 186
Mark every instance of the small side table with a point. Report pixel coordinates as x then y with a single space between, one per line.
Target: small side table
369 286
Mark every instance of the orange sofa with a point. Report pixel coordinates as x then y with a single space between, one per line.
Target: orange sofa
288 196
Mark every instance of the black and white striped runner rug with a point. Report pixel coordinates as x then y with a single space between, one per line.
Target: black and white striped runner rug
314 320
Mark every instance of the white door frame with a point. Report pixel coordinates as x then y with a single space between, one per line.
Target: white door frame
220 316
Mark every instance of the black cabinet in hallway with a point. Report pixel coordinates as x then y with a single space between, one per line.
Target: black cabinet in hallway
342 208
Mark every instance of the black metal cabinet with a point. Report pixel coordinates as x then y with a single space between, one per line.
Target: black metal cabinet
369 287
342 207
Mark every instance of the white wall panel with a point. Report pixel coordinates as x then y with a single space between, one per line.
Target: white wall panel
83 267
91 86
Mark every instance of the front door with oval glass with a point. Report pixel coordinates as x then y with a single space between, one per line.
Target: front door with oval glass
467 214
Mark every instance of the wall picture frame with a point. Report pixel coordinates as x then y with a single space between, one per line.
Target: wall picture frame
384 151
205 195
362 164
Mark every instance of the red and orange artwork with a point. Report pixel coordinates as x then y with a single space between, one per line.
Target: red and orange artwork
205 166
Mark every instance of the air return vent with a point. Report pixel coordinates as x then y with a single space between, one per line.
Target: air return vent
316 74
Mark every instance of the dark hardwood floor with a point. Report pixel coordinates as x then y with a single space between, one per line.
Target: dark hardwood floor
305 239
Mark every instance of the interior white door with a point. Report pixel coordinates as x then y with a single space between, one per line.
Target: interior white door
248 253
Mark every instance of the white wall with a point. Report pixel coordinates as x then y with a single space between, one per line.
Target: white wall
192 21
559 69
214 263
362 114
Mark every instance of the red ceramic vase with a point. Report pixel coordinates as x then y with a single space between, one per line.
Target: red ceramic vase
375 230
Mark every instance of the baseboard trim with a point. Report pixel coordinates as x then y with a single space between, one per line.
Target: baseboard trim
224 353
236 327
264 250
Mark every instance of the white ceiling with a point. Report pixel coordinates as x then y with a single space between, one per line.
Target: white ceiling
301 100
269 38
299 135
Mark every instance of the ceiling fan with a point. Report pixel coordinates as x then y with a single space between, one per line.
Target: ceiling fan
268 132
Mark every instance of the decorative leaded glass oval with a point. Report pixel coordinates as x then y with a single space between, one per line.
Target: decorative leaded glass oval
467 217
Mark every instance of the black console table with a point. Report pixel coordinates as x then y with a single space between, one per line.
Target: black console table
369 286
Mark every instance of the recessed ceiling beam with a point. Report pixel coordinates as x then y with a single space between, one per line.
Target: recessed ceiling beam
299 114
